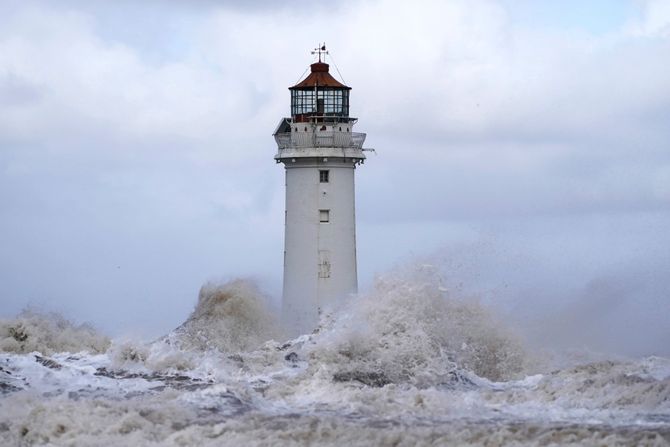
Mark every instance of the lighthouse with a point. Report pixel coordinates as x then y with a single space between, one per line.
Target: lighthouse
320 153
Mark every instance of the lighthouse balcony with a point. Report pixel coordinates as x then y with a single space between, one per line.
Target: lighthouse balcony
320 139
307 144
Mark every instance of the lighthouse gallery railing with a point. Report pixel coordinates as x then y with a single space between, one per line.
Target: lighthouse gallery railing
299 140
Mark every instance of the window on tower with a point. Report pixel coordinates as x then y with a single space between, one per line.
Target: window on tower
324 216
323 176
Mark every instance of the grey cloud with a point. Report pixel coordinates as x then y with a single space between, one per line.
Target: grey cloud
138 136
17 92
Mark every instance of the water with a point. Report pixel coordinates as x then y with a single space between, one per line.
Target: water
407 364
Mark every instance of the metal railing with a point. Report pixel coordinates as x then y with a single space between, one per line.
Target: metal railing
299 140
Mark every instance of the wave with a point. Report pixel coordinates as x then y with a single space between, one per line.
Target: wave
47 333
228 317
408 329
412 329
644 385
411 362
167 422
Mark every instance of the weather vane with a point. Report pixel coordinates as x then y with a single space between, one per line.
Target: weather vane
321 49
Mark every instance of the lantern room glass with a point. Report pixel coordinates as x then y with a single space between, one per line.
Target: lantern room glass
320 102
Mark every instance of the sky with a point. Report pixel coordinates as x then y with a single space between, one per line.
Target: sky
522 148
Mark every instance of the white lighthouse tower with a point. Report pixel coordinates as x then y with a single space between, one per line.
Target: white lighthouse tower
320 152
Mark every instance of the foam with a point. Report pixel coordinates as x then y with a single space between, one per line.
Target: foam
410 363
229 317
165 420
409 328
48 333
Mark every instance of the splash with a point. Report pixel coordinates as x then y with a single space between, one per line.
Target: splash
410 363
229 317
48 333
411 329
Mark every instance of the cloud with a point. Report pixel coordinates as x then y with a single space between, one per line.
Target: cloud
138 135
654 20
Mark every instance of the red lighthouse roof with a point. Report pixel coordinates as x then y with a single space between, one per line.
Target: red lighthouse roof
319 77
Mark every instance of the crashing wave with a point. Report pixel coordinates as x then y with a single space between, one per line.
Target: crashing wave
228 317
48 333
408 363
410 329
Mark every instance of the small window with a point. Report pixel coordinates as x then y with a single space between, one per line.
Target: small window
323 176
324 216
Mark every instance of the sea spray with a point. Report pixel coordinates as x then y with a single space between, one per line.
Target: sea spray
409 363
228 317
47 333
409 328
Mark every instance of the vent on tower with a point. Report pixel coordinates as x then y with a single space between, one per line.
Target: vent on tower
324 264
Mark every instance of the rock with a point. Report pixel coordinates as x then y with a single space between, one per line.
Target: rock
291 357
372 378
49 363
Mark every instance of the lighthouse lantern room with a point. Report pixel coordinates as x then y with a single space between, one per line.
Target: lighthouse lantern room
320 153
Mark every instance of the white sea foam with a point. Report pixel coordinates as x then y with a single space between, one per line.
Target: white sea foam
410 363
409 328
47 333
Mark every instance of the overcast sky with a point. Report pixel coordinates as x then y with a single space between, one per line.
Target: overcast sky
522 146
